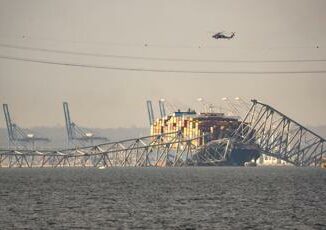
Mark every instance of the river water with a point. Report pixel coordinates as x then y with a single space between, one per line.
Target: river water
163 198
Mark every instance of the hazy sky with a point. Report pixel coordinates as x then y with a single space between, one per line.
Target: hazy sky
265 30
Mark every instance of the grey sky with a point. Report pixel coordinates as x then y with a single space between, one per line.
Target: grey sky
172 29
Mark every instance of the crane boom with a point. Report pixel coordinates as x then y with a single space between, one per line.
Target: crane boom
67 119
150 112
162 108
8 122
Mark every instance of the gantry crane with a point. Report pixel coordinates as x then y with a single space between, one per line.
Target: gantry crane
17 136
77 135
162 107
150 112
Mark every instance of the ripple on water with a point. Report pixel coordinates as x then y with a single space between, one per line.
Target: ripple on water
154 198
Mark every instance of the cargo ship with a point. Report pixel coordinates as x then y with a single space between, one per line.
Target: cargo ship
215 129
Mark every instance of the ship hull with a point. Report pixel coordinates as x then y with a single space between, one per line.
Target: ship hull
226 152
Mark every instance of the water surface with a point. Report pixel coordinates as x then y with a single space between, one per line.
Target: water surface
168 198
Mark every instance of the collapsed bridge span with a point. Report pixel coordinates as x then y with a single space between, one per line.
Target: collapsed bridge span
263 130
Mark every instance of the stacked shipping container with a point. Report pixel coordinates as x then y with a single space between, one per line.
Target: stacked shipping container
193 125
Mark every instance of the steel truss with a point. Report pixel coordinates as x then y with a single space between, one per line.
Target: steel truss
279 136
215 152
274 133
163 150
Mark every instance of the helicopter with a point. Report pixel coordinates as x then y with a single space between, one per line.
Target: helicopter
221 35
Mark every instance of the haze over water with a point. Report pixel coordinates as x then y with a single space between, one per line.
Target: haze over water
169 198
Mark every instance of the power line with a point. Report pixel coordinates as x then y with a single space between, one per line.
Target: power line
158 70
157 58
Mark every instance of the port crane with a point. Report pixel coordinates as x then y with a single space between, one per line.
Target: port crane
150 112
166 107
162 107
77 135
17 136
